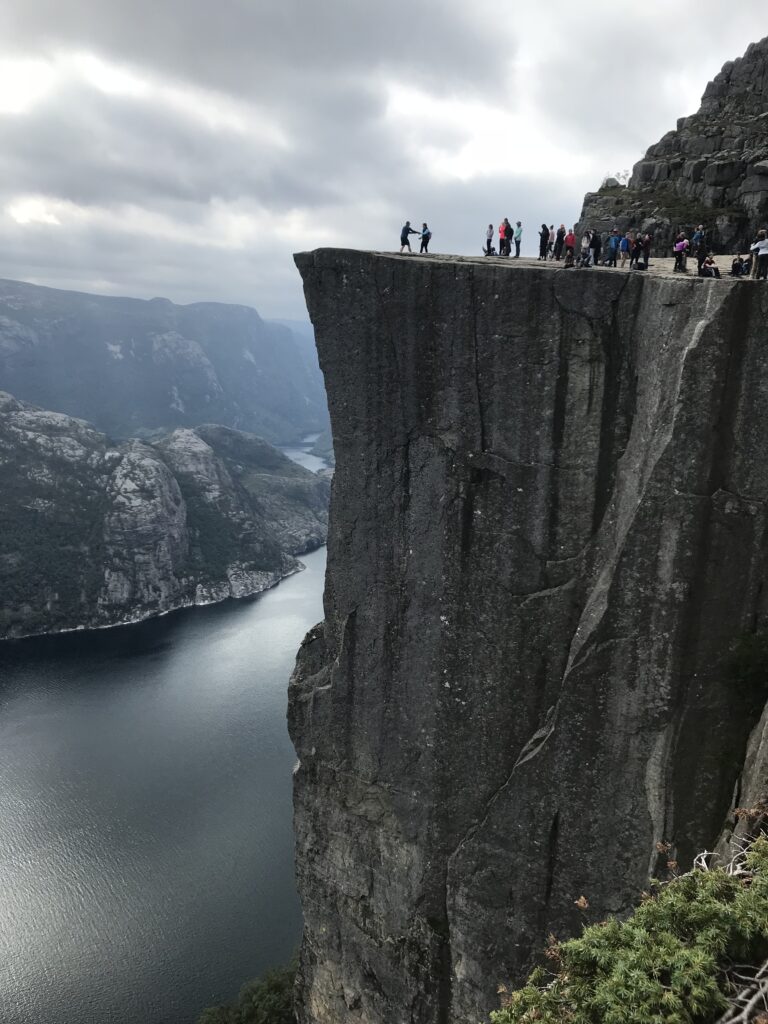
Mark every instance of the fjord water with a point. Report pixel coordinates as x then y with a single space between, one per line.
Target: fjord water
146 850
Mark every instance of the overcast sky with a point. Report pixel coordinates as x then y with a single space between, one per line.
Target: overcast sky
186 148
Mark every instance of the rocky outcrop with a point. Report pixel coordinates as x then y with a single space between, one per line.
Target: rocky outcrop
132 367
713 168
94 533
548 530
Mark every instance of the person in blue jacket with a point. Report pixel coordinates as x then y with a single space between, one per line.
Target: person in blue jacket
614 240
404 232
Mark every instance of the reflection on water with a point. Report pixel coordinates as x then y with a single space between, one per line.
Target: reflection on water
146 852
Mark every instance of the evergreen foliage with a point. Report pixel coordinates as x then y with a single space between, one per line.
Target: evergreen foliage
669 963
266 1001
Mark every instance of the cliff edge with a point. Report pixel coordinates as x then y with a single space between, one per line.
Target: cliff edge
548 532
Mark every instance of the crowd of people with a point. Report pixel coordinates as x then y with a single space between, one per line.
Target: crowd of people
611 249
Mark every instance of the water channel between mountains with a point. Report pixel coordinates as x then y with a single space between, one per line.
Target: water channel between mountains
146 848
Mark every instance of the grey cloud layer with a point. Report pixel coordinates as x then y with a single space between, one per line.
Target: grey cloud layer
606 81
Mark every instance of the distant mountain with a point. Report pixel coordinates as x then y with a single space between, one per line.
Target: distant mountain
132 366
94 532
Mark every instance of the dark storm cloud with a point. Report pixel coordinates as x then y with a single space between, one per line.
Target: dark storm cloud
258 127
249 46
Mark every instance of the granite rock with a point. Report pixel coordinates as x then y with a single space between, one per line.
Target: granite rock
548 528
94 533
712 169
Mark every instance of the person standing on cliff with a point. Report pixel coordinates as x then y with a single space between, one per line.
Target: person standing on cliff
518 238
614 242
551 243
405 231
760 249
503 237
625 246
426 234
489 240
647 243
559 241
543 242
570 244
596 245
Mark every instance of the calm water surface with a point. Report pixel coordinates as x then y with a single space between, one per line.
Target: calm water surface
146 852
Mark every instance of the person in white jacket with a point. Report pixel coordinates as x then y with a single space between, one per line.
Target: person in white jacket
760 249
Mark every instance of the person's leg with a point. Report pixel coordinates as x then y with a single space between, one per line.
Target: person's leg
517 247
762 268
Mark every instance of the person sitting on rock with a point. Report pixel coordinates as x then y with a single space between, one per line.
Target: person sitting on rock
708 267
405 231
760 249
570 244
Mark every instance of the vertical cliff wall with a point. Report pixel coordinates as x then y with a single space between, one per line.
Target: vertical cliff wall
548 527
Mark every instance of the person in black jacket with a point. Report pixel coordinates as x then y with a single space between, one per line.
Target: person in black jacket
543 242
596 245
559 241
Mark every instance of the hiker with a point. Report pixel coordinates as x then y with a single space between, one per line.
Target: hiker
701 251
596 245
708 267
551 242
543 242
559 241
518 238
426 234
614 241
647 243
488 240
760 249
699 237
586 238
570 244
503 238
681 251
737 266
635 252
405 231
625 243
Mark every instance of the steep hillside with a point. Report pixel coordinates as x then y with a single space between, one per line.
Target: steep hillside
131 367
713 168
93 532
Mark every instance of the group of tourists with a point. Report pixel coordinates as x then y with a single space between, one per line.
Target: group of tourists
406 231
614 249
507 235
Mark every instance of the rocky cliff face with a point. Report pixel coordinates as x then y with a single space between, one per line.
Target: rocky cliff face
94 533
548 529
713 168
130 366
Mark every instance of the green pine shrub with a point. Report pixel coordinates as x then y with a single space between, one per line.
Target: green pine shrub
668 963
266 1001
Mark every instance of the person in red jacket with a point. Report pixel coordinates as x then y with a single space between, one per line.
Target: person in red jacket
570 243
503 238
